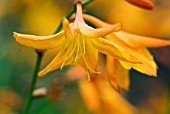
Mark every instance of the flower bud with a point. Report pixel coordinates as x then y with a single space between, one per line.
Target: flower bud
145 4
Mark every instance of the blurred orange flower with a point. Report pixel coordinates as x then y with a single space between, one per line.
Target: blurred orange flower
9 101
134 44
98 96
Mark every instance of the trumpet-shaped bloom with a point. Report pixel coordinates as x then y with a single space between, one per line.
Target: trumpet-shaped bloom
135 45
78 43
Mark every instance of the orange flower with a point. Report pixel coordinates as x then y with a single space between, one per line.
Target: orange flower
98 96
78 43
135 45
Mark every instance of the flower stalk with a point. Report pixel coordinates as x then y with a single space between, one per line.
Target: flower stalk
33 82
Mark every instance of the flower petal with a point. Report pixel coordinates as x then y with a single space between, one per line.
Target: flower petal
60 60
107 96
90 95
67 29
137 41
110 73
89 59
134 41
91 54
40 42
117 75
54 64
148 65
95 33
95 21
112 49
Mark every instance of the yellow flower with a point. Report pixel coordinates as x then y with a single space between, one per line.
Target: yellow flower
78 42
135 45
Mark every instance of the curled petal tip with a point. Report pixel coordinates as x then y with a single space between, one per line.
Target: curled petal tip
40 74
117 27
14 34
65 21
154 75
99 32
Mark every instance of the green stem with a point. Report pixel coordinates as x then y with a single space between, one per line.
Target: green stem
73 10
33 82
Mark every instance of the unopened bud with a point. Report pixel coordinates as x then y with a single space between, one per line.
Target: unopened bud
145 4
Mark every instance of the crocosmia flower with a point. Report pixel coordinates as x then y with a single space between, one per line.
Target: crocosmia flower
78 43
136 45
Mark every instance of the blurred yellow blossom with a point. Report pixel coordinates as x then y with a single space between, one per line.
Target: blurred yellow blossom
79 43
134 44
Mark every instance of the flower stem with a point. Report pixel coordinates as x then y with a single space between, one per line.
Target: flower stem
73 10
33 82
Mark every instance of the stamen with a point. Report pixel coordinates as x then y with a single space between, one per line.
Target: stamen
89 67
84 48
65 50
74 48
77 53
88 75
77 46
63 64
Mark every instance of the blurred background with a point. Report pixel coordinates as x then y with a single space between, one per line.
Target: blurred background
41 17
